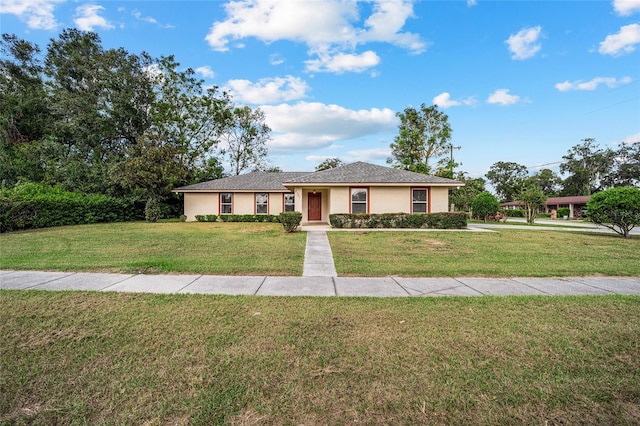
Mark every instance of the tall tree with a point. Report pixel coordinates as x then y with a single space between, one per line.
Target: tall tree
100 100
187 115
245 140
507 179
547 181
587 166
626 171
424 135
25 120
462 197
329 163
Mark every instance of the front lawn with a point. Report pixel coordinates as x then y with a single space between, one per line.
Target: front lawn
140 247
505 253
119 358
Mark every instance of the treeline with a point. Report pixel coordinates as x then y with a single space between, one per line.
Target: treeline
586 169
91 120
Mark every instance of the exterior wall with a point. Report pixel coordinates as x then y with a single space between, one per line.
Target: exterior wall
276 203
200 203
340 199
244 203
439 200
389 199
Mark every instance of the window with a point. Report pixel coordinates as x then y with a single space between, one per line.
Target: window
289 202
419 198
358 200
262 203
226 203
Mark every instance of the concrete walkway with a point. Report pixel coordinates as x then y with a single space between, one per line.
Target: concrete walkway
318 258
317 286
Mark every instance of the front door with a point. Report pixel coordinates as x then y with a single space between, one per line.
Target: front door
315 206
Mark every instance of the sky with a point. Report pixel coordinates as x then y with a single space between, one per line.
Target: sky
520 81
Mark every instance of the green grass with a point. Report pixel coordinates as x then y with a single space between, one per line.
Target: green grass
194 247
117 358
506 253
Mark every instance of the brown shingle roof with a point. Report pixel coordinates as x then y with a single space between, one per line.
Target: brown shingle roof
254 181
360 172
355 173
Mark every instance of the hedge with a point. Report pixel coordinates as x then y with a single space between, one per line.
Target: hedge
206 217
248 218
38 206
399 220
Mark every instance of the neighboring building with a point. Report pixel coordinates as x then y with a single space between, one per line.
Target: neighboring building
354 188
577 205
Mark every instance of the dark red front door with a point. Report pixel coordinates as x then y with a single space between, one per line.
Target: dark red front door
315 206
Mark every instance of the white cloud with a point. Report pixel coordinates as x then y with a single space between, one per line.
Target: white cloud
138 15
276 59
523 45
268 90
371 154
88 18
342 62
205 71
626 7
592 84
331 29
503 97
313 125
621 43
37 13
471 3
385 25
631 139
444 101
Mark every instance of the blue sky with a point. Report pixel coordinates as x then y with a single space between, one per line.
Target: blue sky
521 81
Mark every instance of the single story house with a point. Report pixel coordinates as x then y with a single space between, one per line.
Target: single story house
354 188
576 204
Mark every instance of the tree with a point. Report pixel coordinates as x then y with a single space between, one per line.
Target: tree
329 163
507 179
547 181
245 139
25 120
532 199
484 205
587 166
424 134
100 101
190 117
616 208
626 170
462 197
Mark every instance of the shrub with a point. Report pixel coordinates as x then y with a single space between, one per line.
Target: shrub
290 220
515 213
563 211
248 218
30 205
484 205
400 220
206 218
152 210
183 218
617 209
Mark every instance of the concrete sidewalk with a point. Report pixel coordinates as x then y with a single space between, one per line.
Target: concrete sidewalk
317 286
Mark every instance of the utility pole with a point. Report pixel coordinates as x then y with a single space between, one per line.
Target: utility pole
452 148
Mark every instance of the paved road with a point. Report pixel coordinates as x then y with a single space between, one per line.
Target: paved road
317 286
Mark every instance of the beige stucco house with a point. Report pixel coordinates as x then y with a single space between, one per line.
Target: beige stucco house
354 188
